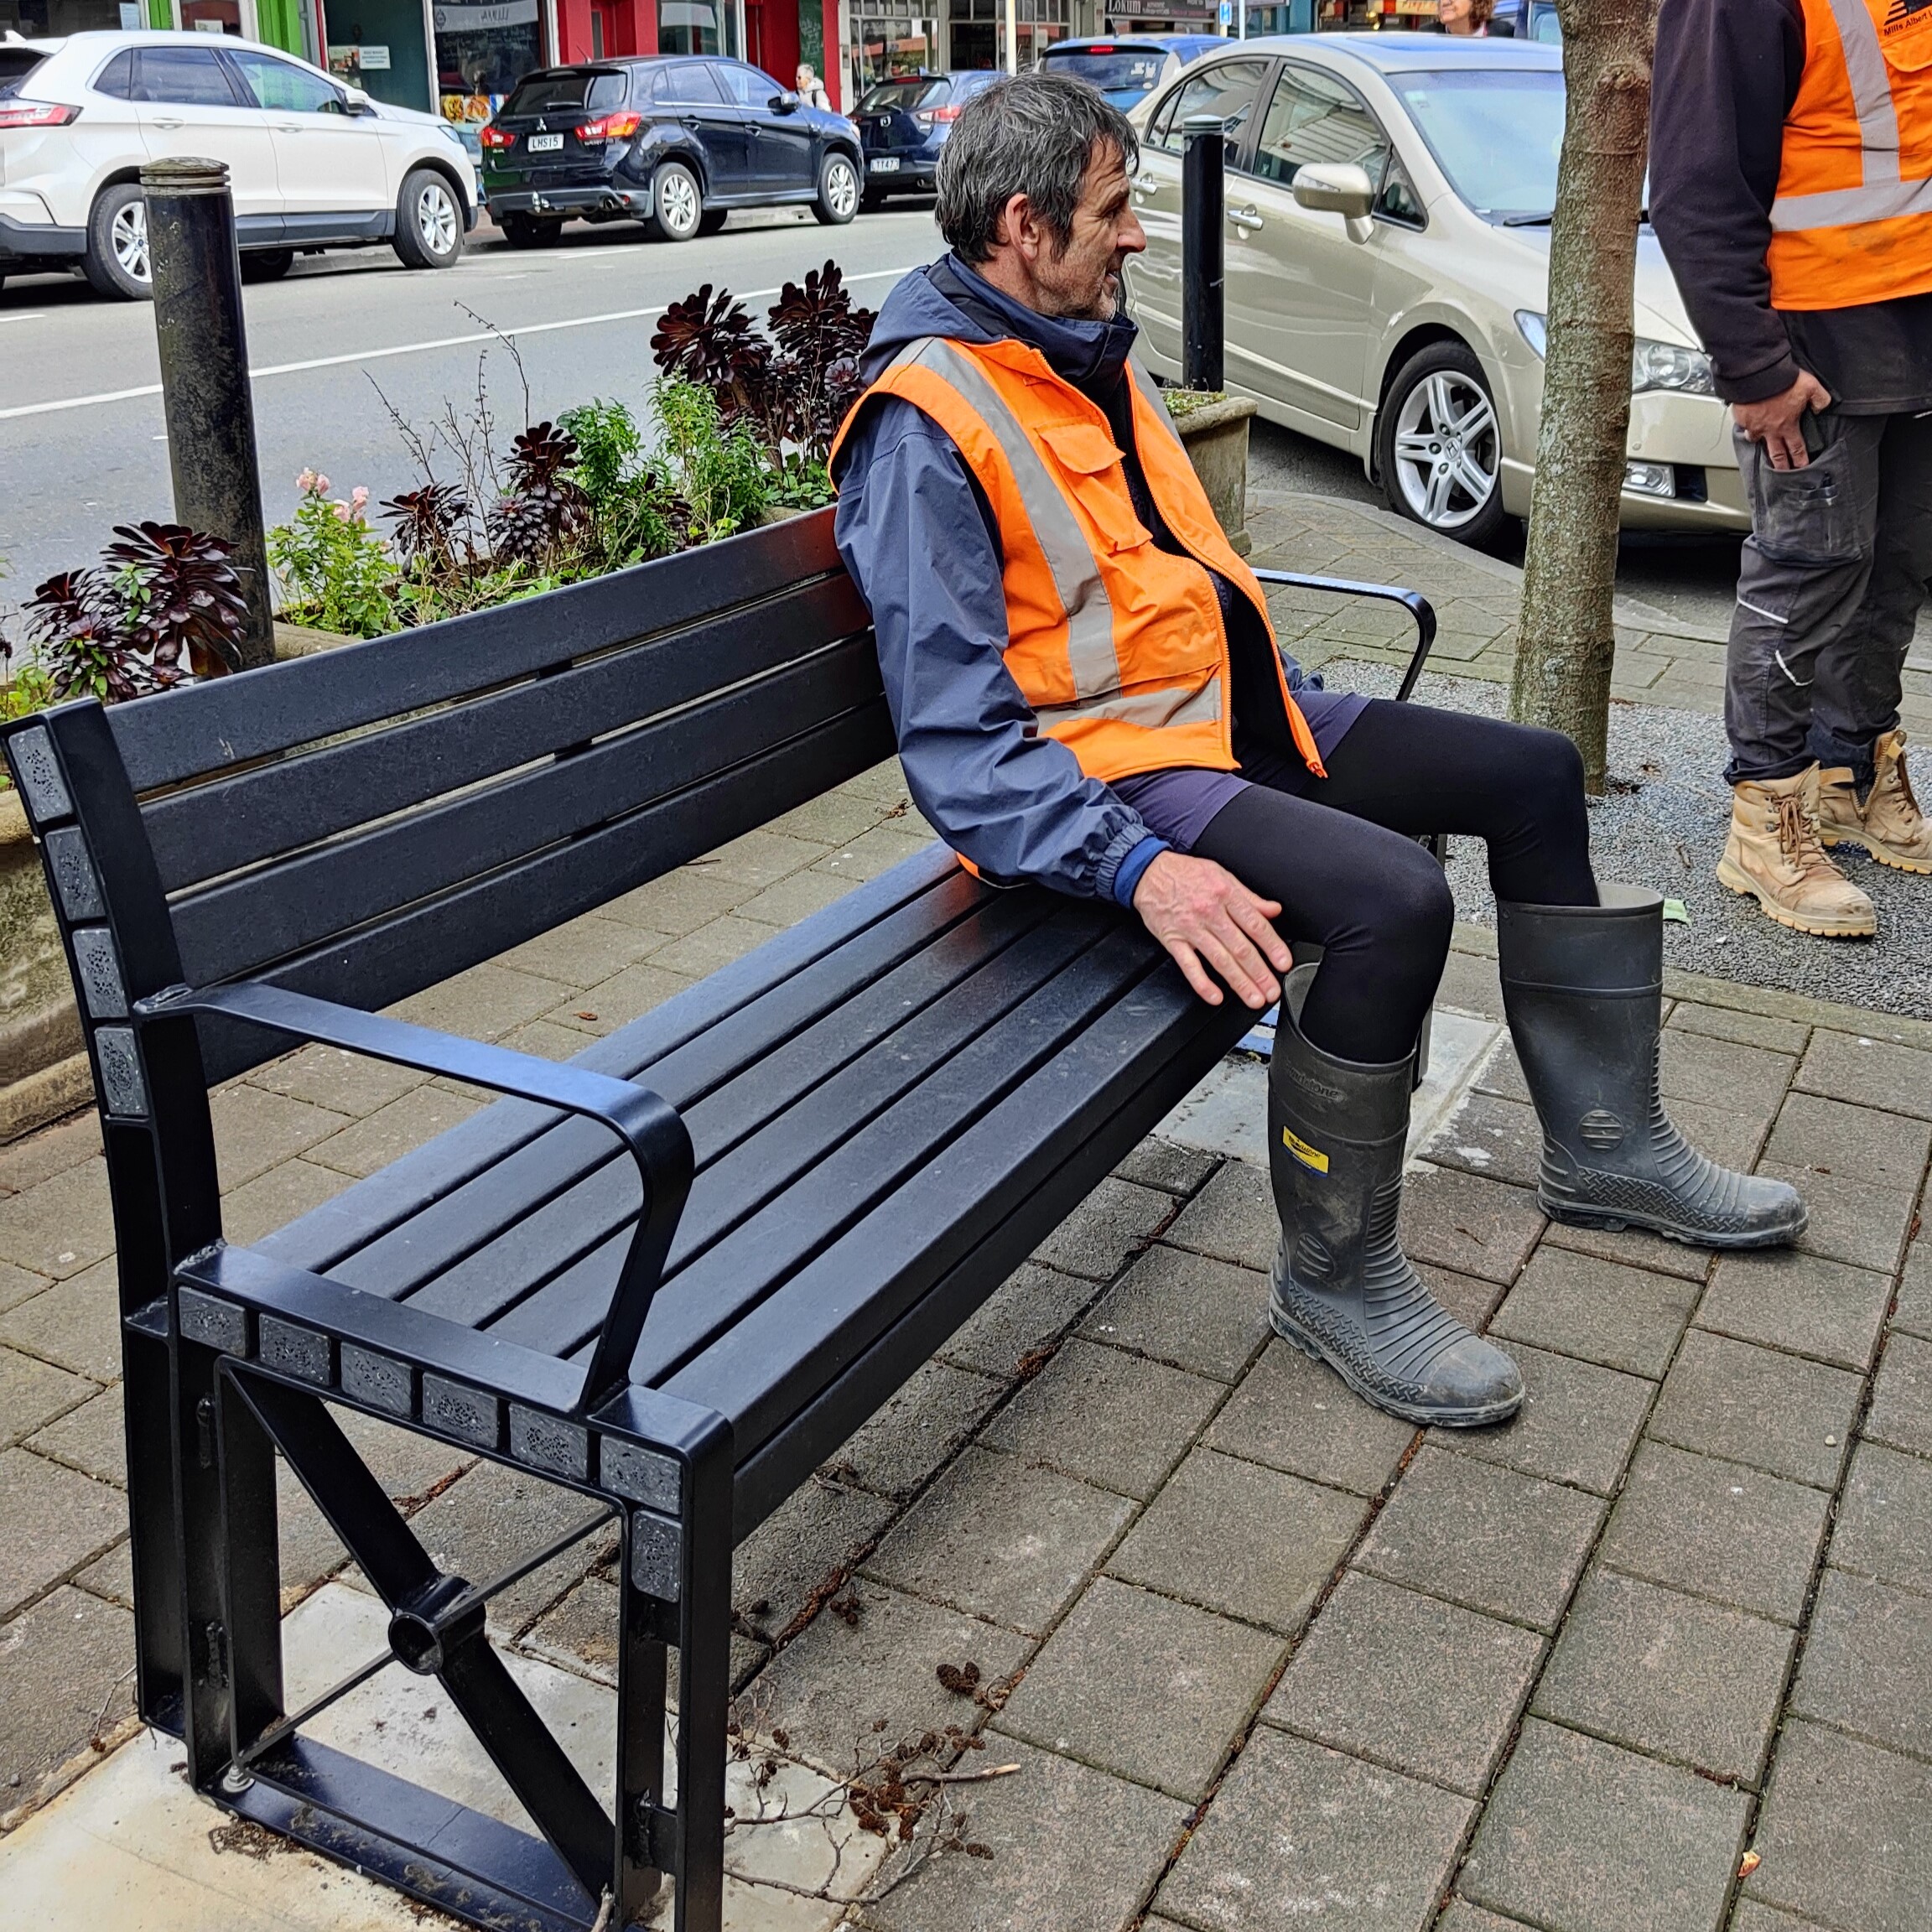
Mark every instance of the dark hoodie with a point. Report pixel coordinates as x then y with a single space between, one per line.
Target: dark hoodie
921 542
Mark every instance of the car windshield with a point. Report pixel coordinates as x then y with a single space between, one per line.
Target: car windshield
913 90
565 93
1496 134
1115 71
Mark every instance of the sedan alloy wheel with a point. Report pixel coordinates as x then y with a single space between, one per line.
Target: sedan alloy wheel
128 236
1446 450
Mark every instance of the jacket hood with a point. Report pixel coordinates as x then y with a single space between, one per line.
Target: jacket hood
947 298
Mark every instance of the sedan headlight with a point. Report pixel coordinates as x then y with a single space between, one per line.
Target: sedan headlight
1667 365
1653 365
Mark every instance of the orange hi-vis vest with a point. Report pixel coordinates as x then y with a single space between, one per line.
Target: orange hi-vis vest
1117 644
1852 220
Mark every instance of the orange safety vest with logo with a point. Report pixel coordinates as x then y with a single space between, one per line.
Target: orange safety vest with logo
1117 644
1852 220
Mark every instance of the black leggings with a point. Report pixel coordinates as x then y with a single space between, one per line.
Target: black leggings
1332 851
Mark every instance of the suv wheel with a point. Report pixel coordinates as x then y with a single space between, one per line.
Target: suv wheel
116 258
838 198
428 221
1439 447
530 231
677 201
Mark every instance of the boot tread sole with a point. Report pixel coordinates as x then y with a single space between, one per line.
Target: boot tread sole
1745 887
1422 1414
1876 849
1698 1238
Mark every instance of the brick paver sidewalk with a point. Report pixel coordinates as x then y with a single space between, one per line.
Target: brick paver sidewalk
1260 1655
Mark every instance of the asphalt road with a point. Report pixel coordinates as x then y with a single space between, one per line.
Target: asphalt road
348 337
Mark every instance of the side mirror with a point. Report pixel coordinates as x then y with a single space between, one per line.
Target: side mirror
359 103
785 103
1335 188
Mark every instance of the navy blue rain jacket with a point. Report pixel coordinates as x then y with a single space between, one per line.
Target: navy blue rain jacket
921 543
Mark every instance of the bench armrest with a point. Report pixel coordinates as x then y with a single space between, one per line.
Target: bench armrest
649 1126
1413 602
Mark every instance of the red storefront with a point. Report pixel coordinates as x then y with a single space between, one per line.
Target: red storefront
774 34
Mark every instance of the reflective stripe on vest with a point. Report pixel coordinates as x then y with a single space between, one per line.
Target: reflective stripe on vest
1851 222
1089 616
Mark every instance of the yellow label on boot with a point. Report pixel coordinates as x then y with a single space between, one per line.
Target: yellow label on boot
1307 1156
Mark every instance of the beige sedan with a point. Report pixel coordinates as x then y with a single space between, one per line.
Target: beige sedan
1387 261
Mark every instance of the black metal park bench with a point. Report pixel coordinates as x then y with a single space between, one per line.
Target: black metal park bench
672 1274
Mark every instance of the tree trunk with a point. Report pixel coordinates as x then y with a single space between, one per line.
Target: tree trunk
1565 638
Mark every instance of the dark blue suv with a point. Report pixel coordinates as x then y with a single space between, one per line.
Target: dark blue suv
675 142
1128 68
904 123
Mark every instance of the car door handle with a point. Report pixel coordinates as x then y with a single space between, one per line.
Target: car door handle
288 126
1146 183
1248 217
159 122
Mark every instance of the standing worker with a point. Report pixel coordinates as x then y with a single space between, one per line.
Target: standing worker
1791 187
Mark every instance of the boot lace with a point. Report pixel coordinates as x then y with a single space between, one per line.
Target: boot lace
1897 779
1796 824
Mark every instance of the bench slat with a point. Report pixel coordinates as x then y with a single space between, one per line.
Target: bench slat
298 802
208 727
456 1204
762 1369
267 914
760 1169
571 1205
433 941
761 1252
790 961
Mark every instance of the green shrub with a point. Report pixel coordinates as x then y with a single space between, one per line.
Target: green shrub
719 474
336 573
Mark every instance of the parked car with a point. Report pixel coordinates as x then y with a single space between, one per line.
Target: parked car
313 164
673 141
1387 264
1129 67
1528 20
903 123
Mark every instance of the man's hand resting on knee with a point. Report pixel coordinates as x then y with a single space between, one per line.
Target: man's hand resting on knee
1205 917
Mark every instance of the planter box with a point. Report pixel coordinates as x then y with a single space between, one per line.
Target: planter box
43 1068
1215 433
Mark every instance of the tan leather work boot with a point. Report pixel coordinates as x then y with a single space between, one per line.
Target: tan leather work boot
1889 824
1773 856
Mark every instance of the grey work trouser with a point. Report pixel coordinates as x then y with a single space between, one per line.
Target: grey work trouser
1837 563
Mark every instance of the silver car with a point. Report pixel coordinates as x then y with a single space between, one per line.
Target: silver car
1388 246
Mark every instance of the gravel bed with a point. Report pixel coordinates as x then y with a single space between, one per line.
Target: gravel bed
1662 824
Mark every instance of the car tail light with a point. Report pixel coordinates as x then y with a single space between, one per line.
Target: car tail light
496 137
36 114
611 127
931 117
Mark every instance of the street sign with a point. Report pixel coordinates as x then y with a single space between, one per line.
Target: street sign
1227 13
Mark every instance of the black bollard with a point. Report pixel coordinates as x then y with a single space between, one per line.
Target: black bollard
205 392
1202 192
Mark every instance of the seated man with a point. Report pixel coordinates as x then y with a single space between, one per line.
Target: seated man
1088 694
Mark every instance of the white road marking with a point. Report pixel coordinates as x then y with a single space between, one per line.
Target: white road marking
27 315
469 341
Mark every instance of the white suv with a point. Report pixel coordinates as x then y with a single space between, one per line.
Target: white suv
314 164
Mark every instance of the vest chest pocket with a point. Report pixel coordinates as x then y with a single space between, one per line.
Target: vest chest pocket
1093 474
1905 34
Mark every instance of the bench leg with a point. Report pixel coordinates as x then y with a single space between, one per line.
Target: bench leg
225 1493
703 1687
640 1663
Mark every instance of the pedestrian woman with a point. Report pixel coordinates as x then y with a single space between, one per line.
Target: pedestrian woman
1465 16
810 88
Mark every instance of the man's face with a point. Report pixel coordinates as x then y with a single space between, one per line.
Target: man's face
1083 280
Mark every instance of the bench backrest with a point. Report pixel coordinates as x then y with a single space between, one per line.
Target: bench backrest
362 824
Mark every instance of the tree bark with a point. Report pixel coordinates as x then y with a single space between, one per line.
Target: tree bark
1565 635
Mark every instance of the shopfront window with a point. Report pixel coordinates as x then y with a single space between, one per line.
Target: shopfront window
888 48
979 30
698 27
481 53
47 19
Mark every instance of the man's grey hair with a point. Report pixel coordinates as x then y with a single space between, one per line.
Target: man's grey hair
1030 134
